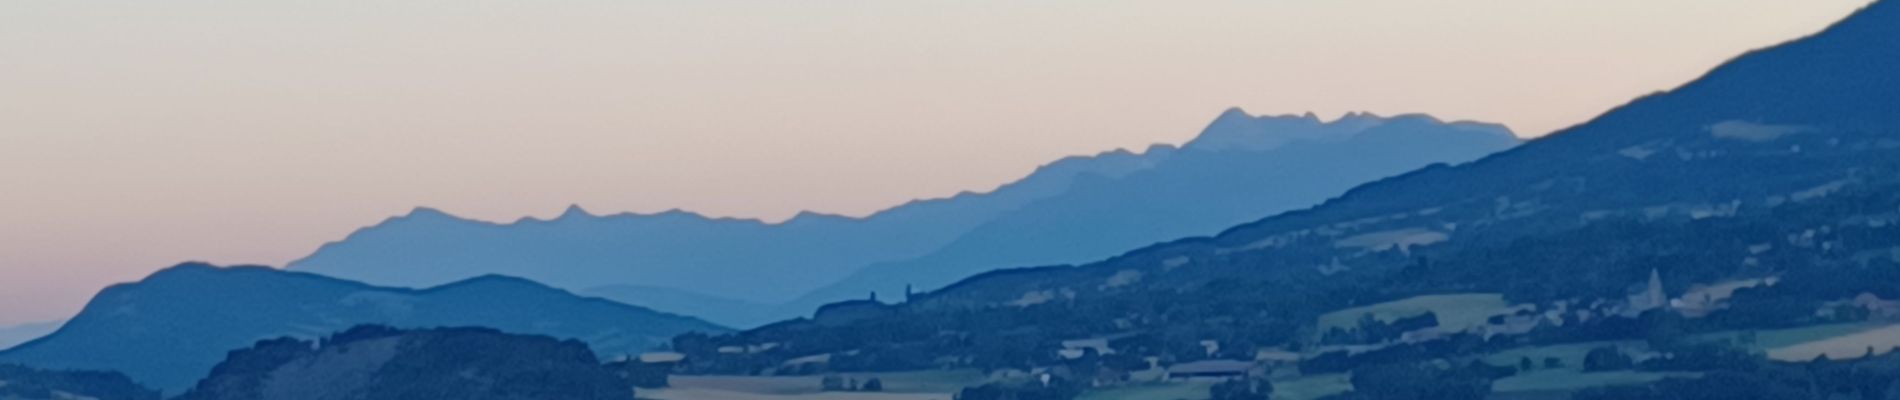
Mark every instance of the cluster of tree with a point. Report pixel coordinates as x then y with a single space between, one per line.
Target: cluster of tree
377 362
1343 361
1607 358
18 382
1373 330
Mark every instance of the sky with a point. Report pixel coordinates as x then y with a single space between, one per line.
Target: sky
135 135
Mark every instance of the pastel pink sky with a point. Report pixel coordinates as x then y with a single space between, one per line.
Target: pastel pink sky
135 135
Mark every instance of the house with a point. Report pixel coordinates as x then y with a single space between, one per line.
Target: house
1210 370
1073 349
1076 348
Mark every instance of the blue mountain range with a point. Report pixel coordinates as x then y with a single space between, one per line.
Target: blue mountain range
746 272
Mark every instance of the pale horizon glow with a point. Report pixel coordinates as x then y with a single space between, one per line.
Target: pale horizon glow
136 135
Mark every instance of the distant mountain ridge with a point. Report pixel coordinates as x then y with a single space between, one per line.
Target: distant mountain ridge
683 250
167 330
1240 167
730 312
1243 168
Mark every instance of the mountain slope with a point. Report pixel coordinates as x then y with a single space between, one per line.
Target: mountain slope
1783 163
167 330
719 310
1242 167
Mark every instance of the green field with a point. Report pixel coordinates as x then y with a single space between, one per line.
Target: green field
1302 388
1568 380
1312 387
1455 311
916 385
1155 391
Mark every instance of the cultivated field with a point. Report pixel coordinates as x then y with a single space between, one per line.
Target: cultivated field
1312 387
1769 339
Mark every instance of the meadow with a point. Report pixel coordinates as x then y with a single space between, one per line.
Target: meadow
915 385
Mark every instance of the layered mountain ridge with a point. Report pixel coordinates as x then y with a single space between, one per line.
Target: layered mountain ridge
1241 167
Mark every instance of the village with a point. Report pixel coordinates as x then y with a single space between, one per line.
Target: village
1296 372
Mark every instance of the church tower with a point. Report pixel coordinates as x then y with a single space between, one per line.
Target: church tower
1655 291
1652 297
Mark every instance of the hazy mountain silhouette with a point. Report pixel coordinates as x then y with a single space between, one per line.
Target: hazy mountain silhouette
739 259
720 310
169 329
1241 167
